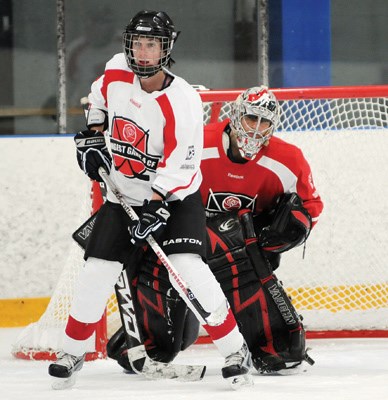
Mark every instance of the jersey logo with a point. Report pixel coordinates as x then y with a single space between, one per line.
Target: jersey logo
163 213
129 145
231 203
227 225
190 153
220 202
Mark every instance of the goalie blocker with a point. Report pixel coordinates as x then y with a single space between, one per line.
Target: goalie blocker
266 316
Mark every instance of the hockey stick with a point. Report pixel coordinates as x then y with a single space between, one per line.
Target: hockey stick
184 290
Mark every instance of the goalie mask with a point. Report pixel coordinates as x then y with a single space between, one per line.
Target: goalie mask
254 118
156 32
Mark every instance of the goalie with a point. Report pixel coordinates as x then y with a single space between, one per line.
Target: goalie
260 200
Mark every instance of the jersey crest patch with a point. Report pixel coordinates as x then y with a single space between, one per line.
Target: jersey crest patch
221 202
129 145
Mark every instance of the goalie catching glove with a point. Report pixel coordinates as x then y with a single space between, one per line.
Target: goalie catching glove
152 220
290 226
92 153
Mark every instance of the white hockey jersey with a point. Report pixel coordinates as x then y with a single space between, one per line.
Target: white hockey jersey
156 139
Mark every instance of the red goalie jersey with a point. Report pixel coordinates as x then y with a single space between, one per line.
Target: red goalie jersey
278 168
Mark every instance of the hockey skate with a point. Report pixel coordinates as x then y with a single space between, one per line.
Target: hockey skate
64 370
237 368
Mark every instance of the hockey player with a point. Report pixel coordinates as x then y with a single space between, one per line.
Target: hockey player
267 185
156 139
260 201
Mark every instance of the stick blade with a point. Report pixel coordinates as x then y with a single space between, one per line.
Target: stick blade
156 370
184 373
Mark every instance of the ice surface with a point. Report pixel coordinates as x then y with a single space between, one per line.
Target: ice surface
345 369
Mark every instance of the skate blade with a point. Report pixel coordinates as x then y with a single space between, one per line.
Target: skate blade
240 381
63 383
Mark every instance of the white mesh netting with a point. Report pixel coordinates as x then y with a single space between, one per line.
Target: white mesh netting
323 114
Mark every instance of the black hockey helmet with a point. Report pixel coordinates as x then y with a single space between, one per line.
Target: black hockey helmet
150 24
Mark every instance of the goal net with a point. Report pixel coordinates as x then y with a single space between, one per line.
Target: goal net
340 284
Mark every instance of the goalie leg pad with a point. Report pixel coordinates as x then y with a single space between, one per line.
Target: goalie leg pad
117 349
229 261
162 320
294 352
264 272
168 326
129 336
247 283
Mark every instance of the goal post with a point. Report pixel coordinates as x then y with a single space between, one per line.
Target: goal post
340 285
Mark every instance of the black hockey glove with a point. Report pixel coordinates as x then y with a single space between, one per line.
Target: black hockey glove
290 226
92 153
152 220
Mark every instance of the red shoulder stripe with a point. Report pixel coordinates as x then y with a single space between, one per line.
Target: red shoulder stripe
169 137
115 75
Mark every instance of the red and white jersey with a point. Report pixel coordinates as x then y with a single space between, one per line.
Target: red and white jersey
156 139
278 168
